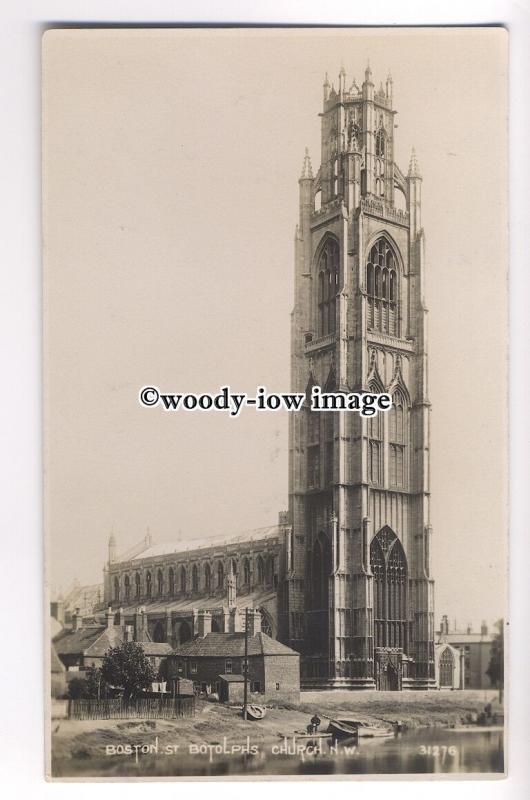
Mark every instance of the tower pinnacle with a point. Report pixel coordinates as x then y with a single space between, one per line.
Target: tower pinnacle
414 169
307 169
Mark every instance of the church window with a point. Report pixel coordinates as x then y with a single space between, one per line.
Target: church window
328 287
171 581
159 582
389 568
116 589
208 578
313 467
382 289
380 143
195 578
380 163
220 575
447 665
397 439
246 572
127 588
138 583
261 571
148 586
376 467
183 579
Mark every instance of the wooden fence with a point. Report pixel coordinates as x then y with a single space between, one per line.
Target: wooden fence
146 708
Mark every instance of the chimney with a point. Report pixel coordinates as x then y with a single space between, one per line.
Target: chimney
109 616
128 633
254 621
120 619
444 628
234 622
140 625
77 620
205 623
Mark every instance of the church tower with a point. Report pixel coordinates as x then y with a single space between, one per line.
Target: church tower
359 592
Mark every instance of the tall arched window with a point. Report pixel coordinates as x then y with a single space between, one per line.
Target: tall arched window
397 441
116 589
183 579
261 571
389 568
375 445
195 578
127 588
138 585
208 577
171 581
148 585
328 287
447 666
246 572
382 289
379 165
220 575
320 571
159 582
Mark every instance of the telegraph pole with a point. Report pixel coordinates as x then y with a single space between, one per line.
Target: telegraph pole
245 668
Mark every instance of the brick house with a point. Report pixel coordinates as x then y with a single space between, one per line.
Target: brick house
211 658
85 644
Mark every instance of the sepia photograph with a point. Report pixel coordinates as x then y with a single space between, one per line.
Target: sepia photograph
275 402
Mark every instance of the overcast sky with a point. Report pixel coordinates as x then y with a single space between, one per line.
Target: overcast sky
171 164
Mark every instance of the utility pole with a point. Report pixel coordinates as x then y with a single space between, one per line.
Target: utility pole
245 668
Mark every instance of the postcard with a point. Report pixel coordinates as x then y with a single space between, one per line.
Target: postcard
275 402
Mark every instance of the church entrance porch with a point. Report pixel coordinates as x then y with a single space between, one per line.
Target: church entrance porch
388 669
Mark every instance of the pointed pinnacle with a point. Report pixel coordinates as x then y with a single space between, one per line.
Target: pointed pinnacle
414 169
307 169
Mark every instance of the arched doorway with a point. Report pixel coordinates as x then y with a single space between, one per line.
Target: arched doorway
447 668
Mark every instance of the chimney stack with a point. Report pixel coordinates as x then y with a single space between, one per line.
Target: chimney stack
254 621
128 633
77 620
205 623
120 619
234 624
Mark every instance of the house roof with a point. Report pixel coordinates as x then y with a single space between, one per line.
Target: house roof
466 638
227 645
232 678
95 640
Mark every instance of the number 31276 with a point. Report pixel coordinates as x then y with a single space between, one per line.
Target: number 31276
438 750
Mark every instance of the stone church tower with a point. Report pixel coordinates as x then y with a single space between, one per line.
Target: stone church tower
358 596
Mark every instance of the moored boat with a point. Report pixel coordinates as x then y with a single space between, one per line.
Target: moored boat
256 712
346 728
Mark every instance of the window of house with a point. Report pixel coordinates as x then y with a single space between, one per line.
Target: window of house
255 687
228 667
277 687
193 667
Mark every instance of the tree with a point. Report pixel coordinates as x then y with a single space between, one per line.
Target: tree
495 670
96 686
128 667
77 689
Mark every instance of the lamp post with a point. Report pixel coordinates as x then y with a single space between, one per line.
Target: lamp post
245 668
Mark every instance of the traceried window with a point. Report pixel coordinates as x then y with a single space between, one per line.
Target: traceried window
261 571
389 568
127 588
137 584
171 581
328 287
208 578
382 289
379 166
195 578
246 572
220 575
148 585
116 589
183 579
397 440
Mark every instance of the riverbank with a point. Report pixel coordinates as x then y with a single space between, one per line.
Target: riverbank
184 746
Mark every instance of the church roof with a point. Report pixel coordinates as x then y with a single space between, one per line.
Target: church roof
161 605
208 542
230 645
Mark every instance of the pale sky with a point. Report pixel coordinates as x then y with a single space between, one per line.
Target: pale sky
171 165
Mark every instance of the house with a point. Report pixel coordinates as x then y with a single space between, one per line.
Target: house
85 645
216 661
476 653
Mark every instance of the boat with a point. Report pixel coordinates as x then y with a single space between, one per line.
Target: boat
256 712
347 728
